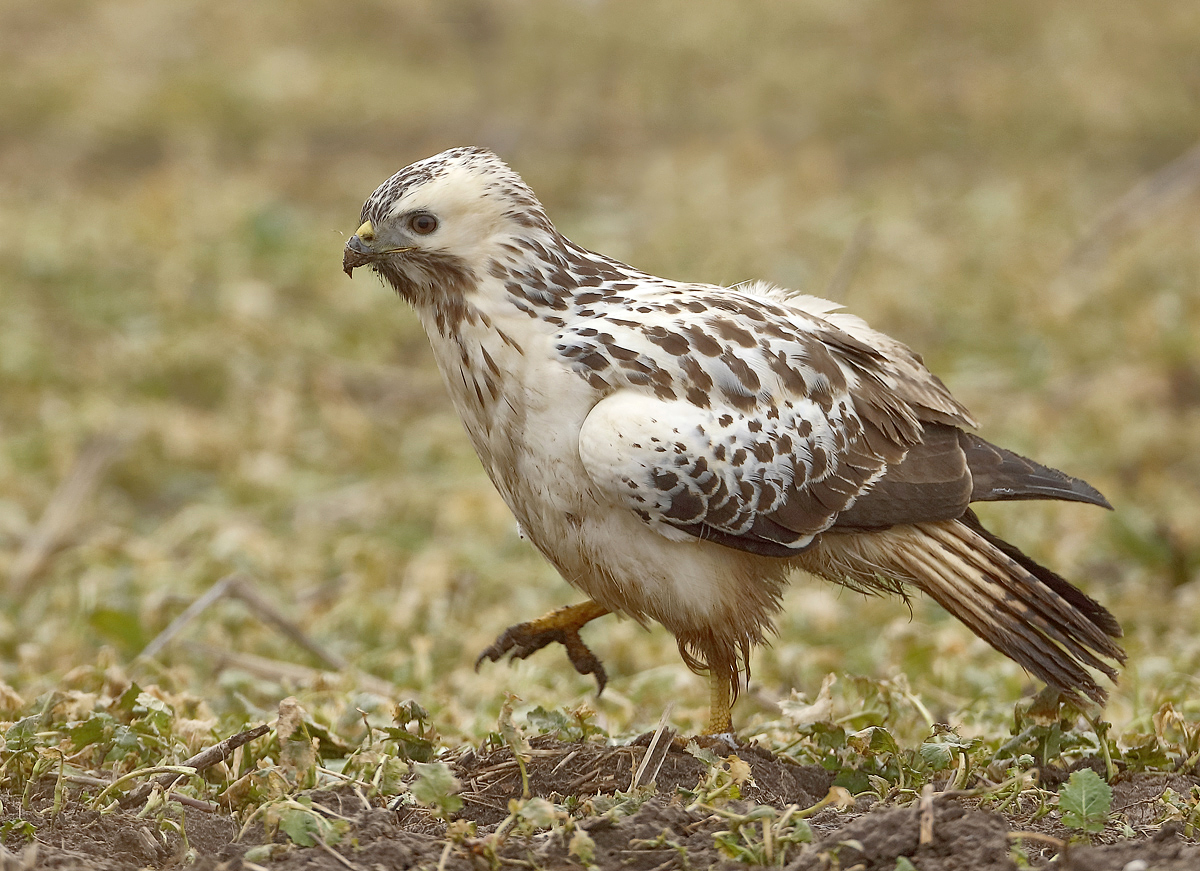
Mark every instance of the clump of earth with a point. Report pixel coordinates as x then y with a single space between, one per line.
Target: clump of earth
943 832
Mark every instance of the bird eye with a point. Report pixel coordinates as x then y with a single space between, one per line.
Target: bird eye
423 223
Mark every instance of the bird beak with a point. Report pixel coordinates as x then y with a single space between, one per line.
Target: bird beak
361 250
358 250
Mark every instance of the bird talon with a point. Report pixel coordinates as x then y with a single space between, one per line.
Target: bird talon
524 639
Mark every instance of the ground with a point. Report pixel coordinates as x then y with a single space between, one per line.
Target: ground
666 827
201 417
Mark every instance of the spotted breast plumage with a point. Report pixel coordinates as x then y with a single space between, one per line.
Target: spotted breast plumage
675 449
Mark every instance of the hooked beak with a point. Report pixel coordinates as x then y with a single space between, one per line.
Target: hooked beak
360 249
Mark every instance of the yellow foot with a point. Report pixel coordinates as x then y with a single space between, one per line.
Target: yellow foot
561 626
719 702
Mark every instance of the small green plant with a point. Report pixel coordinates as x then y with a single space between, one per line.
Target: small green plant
437 788
762 836
1085 802
17 828
722 782
1183 808
565 725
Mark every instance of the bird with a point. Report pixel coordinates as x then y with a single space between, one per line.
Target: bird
678 450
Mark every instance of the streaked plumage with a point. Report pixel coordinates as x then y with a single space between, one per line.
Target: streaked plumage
675 449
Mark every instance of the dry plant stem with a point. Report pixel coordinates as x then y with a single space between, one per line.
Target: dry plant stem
243 589
926 811
173 771
238 586
190 613
274 669
336 855
1136 208
837 795
1037 836
202 760
187 801
62 512
640 778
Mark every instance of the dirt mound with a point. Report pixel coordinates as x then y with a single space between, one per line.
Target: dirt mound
655 835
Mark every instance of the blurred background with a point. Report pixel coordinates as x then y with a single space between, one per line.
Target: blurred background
190 387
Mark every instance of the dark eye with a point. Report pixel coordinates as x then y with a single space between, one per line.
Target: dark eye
423 224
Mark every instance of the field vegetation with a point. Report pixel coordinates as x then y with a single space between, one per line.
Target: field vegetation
192 394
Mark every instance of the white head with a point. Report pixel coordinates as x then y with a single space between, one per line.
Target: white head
433 227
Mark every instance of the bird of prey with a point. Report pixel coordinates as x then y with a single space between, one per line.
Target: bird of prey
676 449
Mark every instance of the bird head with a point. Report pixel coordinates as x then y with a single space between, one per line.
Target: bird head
438 223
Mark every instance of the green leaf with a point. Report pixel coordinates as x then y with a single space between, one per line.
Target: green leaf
538 812
410 746
126 703
554 723
90 731
126 743
18 828
937 756
702 753
22 735
941 751
436 787
855 781
872 741
582 847
152 715
1085 801
409 711
301 825
264 853
903 863
391 780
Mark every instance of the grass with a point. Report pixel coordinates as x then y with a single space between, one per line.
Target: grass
177 183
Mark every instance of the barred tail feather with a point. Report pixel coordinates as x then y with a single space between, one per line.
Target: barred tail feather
1022 609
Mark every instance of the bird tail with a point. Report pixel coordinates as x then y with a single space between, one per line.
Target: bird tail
997 475
1022 609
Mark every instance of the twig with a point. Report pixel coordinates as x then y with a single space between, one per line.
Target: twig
63 509
240 587
202 760
564 761
577 785
849 262
926 812
640 778
274 669
1140 205
85 780
336 855
190 613
1037 836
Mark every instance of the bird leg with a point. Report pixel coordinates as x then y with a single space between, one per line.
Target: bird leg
719 702
561 625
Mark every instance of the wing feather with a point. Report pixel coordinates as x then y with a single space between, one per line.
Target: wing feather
759 422
760 426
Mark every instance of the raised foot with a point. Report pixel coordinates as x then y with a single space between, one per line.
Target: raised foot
561 626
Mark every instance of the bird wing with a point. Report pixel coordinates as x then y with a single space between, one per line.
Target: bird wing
742 421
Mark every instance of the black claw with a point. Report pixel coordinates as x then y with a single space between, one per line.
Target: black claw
522 641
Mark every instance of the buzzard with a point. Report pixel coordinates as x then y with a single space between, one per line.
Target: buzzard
676 449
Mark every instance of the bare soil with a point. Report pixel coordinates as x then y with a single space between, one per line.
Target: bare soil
662 834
